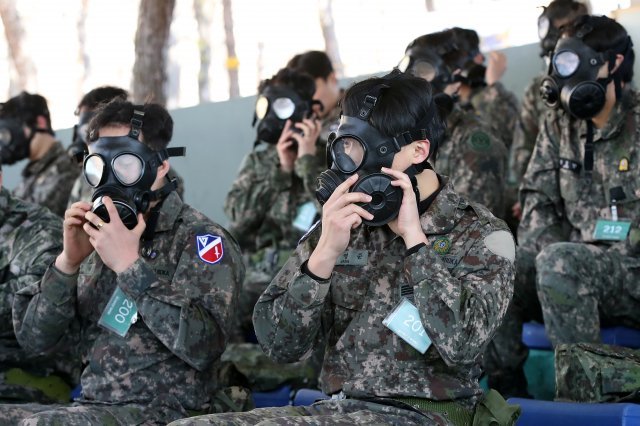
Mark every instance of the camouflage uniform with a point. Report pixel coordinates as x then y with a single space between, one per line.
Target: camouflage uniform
580 281
497 107
168 361
461 283
82 191
31 239
474 159
48 181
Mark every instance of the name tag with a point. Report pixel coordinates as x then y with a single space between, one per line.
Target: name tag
404 321
353 258
119 314
610 230
305 217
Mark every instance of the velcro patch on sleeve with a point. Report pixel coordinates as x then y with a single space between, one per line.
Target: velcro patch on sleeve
501 243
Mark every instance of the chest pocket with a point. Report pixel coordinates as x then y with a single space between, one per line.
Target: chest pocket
571 184
349 287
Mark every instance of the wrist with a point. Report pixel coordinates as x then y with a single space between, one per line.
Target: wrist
63 264
125 263
414 238
321 262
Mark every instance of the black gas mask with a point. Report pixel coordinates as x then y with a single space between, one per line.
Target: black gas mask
78 147
124 169
426 63
548 35
14 144
276 105
572 82
358 147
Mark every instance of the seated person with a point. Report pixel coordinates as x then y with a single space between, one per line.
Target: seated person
579 235
150 282
404 280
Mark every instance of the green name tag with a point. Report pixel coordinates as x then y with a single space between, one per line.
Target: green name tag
305 216
353 258
119 314
611 230
404 320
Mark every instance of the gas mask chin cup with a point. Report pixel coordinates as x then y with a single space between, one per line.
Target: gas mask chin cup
127 213
385 198
585 100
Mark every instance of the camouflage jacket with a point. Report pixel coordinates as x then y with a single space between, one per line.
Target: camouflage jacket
474 160
532 111
48 181
497 107
31 239
462 285
184 309
560 201
82 191
264 201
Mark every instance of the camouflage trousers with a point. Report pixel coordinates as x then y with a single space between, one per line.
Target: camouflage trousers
581 286
505 355
330 412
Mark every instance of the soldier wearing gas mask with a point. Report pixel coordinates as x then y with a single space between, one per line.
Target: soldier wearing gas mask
473 158
26 133
271 203
432 260
558 14
150 282
580 230
81 190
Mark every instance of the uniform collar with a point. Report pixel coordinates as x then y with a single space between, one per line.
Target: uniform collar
617 118
440 217
169 212
36 167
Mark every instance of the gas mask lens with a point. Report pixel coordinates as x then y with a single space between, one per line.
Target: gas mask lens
93 169
262 105
283 108
128 168
543 27
348 154
5 137
404 63
425 70
566 63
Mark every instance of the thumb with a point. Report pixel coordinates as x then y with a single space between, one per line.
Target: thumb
141 226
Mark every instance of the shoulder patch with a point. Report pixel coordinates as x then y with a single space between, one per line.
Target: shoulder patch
501 244
210 248
479 141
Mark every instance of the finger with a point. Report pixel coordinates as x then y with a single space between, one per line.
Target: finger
73 221
354 221
396 174
297 137
114 217
82 205
75 212
343 188
352 198
287 126
351 209
90 230
285 137
93 218
141 226
302 125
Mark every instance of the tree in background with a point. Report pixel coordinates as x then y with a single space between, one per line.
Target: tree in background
152 35
83 56
232 59
23 71
203 11
329 34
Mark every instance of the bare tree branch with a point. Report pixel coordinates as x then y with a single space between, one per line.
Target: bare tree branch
203 11
232 60
23 69
329 34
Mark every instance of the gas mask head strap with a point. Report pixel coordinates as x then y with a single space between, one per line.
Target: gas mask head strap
136 124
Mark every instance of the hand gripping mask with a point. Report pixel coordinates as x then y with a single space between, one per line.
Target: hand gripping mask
124 169
572 82
276 105
358 147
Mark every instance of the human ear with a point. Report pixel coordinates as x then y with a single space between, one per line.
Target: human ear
421 151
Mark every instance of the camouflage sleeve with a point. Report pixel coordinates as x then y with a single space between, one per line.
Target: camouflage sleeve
461 311
191 314
252 193
308 168
53 192
525 133
33 251
76 191
542 206
43 311
288 315
480 176
498 107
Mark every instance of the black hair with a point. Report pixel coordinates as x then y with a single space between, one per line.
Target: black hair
605 35
157 124
466 39
101 95
564 9
301 83
314 62
441 42
405 104
27 107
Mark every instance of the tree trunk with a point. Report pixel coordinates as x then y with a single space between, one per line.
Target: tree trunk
23 70
203 11
152 36
83 57
430 6
329 34
232 60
